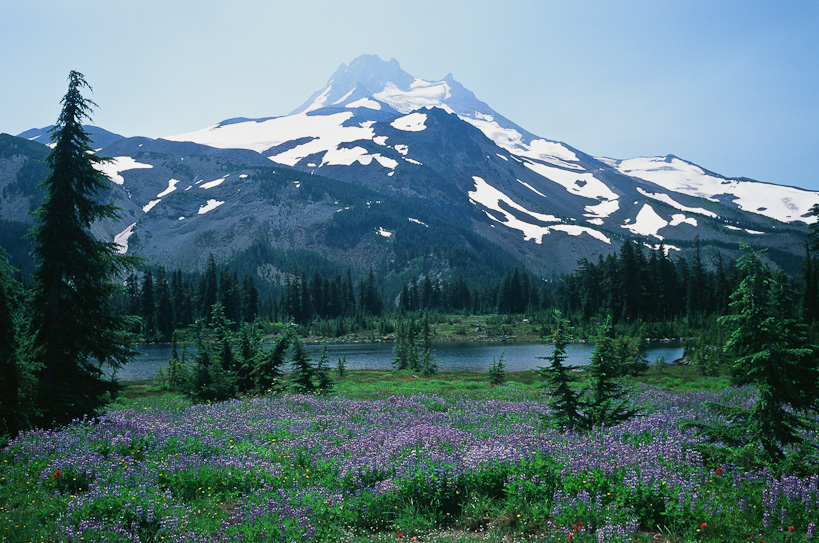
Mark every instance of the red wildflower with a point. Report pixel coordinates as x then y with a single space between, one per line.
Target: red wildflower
703 525
399 534
579 523
571 537
56 474
574 527
790 528
719 470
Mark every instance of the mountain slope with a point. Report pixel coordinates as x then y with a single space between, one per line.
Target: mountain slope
412 177
549 203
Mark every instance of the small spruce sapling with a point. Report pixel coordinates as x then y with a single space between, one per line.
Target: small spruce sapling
303 370
497 374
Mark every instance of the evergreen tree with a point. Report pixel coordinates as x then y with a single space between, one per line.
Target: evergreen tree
607 404
249 348
182 295
427 361
147 306
13 416
302 369
348 294
224 365
563 400
250 299
410 338
369 297
324 384
497 374
770 353
74 334
208 288
342 365
400 355
267 373
230 296
630 354
176 373
201 379
164 305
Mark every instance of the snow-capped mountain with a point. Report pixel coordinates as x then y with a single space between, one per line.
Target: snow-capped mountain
787 204
381 169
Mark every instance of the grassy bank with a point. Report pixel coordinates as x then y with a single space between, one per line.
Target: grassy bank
362 384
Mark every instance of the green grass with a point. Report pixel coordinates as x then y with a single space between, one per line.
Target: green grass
474 385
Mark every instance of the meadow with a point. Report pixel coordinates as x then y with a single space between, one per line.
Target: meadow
390 457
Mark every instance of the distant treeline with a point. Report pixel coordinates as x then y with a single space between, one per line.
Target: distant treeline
638 284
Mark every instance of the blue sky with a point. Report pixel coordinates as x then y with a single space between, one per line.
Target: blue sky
731 85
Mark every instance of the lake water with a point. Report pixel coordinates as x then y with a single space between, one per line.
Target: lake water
466 356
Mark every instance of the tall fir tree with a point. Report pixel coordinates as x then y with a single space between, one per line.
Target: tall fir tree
148 307
563 400
400 353
163 315
769 352
427 361
74 334
208 288
608 403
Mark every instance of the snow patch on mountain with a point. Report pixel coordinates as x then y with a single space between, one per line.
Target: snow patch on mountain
414 122
647 223
341 100
679 218
171 187
113 167
666 199
512 140
209 206
785 204
214 183
150 205
602 210
321 132
420 94
530 187
576 230
581 184
495 200
318 103
348 156
364 102
121 239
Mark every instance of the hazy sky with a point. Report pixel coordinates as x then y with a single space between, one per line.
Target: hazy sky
730 85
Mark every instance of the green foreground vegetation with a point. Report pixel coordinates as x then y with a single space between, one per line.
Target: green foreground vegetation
395 457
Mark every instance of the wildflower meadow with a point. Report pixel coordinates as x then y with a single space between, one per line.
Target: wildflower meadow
414 467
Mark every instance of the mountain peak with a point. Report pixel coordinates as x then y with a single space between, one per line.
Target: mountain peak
365 76
371 72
